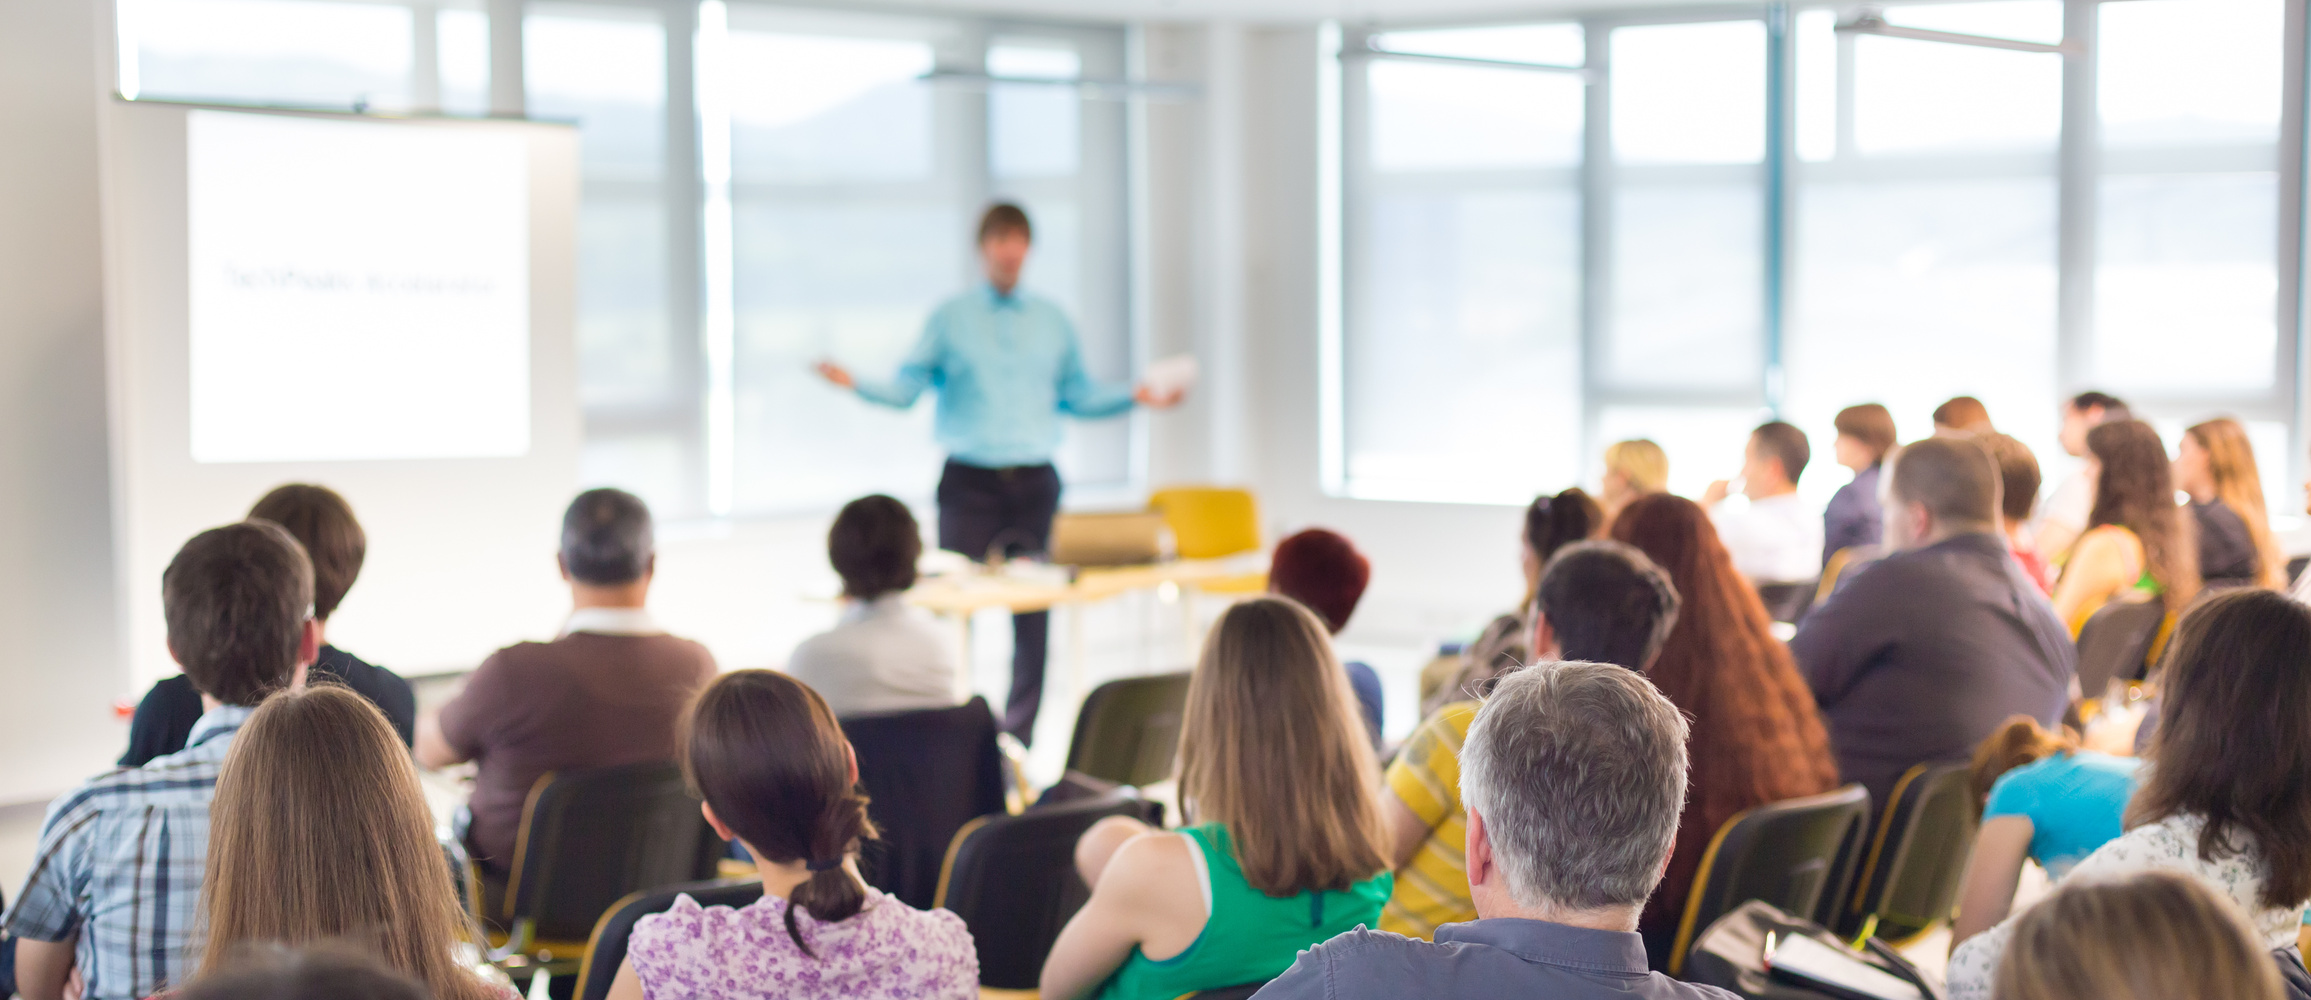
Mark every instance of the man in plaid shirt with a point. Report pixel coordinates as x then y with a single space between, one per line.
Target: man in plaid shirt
115 889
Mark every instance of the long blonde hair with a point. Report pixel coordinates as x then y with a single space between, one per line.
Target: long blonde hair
2155 935
1272 749
319 831
2231 463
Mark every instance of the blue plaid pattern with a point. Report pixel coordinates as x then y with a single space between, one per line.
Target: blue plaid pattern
120 863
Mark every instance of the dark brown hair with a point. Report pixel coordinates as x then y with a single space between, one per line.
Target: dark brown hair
2136 491
1870 424
328 971
323 523
1607 603
873 545
2019 740
1783 443
2018 475
1004 217
1963 413
1551 523
607 539
765 751
236 599
319 831
2230 746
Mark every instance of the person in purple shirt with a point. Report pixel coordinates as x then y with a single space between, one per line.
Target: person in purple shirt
1853 520
1573 777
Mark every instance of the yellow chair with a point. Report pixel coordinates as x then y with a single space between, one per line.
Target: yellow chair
1211 522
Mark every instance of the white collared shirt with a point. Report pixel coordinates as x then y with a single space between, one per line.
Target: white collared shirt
1775 540
612 621
884 656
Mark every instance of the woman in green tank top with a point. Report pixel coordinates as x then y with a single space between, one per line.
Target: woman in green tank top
1287 849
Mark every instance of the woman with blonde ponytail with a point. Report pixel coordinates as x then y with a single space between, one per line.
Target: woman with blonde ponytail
770 760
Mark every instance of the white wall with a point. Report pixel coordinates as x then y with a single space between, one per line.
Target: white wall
60 646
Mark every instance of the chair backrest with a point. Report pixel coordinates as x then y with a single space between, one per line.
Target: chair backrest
606 949
1917 854
1786 853
1843 565
2116 643
588 838
1013 881
1787 602
926 774
1209 522
1129 729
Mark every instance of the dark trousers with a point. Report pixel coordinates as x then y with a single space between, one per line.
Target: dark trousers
1006 512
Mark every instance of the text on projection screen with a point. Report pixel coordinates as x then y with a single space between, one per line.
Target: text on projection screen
358 290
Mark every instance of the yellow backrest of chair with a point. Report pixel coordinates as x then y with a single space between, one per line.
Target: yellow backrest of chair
1209 522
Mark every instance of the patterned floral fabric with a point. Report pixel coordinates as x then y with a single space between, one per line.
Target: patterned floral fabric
888 951
2171 844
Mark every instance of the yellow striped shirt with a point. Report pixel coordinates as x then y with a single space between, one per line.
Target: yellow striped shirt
1433 889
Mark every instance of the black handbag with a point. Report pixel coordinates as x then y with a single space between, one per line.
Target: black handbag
1730 955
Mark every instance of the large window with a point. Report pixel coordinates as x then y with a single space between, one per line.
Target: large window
1786 215
764 186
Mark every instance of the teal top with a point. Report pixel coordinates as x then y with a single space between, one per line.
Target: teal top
2075 802
1249 936
1005 367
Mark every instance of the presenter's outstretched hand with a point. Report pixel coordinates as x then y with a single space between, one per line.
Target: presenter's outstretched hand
1147 396
836 374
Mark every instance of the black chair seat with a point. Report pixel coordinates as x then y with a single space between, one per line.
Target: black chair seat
1013 881
1786 853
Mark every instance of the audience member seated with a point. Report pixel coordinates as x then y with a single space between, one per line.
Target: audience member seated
1597 601
1633 468
2226 797
778 777
1961 415
1757 737
113 896
2018 481
1551 523
1853 520
320 832
328 972
886 655
1286 847
2063 516
2137 544
1932 648
607 692
1323 570
1776 539
1575 776
2154 935
323 522
2042 799
2215 464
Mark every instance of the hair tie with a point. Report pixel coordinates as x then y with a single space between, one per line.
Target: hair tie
820 866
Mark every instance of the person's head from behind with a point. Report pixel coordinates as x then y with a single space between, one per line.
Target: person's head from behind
1604 602
239 605
1634 468
2020 740
608 545
778 776
1573 775
1865 435
2086 411
2018 477
1776 457
2151 935
2134 488
323 523
1961 415
333 971
1005 236
873 545
1940 487
1719 615
320 831
1551 523
1272 747
2230 746
1322 570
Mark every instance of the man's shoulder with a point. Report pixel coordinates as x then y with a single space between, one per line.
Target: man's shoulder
186 777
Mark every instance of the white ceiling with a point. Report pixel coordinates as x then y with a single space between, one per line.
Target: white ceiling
1271 11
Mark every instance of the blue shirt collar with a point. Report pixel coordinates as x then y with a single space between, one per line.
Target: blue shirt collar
999 300
223 720
1545 943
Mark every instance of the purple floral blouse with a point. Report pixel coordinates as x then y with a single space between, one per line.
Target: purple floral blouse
888 951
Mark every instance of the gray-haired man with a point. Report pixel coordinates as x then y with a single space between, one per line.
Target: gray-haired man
1573 776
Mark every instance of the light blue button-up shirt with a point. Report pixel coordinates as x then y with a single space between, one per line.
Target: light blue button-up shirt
1006 367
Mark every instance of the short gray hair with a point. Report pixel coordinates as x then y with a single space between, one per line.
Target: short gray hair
1579 772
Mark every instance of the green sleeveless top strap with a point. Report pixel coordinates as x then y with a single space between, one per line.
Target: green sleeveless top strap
1249 936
